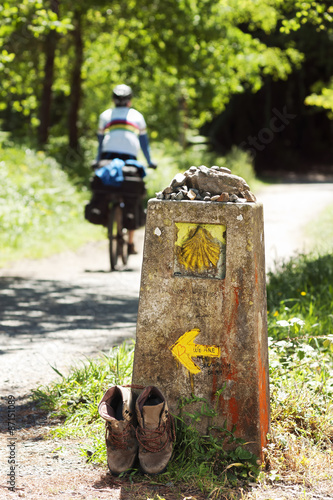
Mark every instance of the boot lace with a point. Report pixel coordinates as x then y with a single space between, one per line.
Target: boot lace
118 440
152 439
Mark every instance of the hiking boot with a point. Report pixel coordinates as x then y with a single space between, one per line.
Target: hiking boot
121 444
155 431
131 249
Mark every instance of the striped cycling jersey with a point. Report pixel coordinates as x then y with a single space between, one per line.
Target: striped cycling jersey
121 125
121 128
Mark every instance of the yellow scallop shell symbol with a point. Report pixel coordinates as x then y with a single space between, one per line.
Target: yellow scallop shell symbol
199 251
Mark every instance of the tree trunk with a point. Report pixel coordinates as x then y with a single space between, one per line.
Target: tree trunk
46 99
75 95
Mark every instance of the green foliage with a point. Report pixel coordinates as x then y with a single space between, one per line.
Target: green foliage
86 384
76 164
319 14
213 460
41 212
194 72
322 98
24 27
184 59
301 288
300 327
301 384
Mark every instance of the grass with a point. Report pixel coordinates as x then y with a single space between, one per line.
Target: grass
41 212
300 326
300 446
302 288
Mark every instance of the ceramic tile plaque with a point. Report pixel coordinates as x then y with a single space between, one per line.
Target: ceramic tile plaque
200 250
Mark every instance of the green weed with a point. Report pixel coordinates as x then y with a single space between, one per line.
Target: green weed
75 397
301 384
211 461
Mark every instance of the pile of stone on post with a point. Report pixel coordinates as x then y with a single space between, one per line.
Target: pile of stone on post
215 184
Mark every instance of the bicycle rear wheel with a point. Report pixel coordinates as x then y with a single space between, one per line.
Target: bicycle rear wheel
123 250
114 224
118 236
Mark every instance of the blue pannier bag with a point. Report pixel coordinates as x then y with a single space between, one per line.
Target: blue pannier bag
112 173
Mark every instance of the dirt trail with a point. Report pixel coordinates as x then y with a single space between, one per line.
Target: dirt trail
56 311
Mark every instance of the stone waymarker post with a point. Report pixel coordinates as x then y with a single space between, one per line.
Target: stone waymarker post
202 311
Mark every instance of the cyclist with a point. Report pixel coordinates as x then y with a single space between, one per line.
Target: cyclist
122 131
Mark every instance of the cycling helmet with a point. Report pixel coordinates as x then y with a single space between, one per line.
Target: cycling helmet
122 94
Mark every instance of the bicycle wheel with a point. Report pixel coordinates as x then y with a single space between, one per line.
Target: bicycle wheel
124 247
123 240
114 234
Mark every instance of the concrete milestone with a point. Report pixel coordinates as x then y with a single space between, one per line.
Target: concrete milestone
202 325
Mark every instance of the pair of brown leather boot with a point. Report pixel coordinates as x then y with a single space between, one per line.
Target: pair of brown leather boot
144 429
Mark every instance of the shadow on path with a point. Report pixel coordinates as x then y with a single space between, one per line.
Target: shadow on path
40 307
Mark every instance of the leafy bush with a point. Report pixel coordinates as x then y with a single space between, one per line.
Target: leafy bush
76 164
40 209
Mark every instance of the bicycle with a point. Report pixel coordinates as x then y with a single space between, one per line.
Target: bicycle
117 233
119 209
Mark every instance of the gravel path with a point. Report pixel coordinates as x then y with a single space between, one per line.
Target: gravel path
56 311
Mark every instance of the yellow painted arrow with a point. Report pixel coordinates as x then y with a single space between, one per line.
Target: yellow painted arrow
184 349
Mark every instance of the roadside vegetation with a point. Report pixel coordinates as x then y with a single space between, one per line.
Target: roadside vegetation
300 445
41 211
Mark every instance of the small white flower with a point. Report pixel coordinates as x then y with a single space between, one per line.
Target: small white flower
298 321
282 322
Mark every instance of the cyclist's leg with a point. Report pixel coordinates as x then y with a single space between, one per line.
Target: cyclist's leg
131 246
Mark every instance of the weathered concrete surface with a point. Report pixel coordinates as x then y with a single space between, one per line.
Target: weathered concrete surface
229 312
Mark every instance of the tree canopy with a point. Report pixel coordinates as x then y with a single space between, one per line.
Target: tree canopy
185 59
